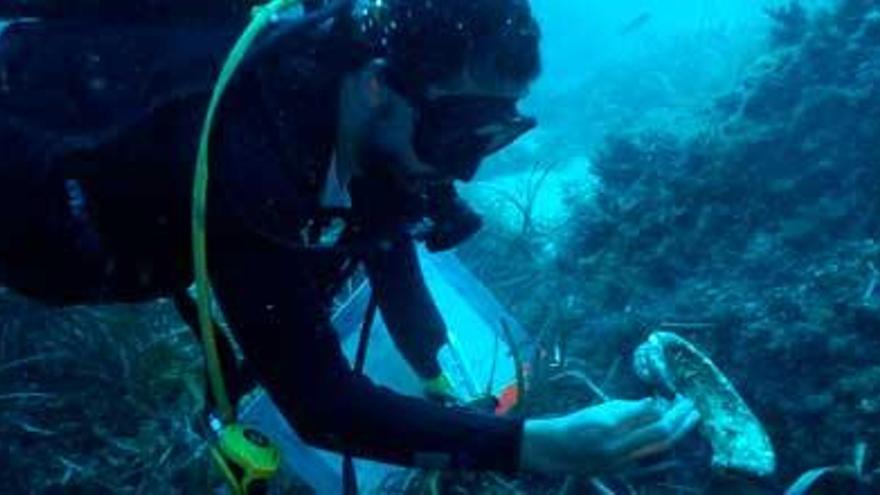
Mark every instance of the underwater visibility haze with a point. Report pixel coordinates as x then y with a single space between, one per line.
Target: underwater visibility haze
676 200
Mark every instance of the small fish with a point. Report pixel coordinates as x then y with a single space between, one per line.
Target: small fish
636 24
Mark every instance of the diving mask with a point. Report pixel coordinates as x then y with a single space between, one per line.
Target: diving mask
453 133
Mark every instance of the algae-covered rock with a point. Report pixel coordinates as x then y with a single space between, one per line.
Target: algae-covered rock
739 441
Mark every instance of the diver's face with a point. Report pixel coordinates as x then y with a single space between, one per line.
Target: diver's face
443 133
388 137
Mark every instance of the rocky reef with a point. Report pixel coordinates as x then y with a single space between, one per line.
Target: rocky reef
756 236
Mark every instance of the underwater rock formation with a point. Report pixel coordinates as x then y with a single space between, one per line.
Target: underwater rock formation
757 237
761 235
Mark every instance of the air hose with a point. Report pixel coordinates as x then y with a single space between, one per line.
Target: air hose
262 17
247 458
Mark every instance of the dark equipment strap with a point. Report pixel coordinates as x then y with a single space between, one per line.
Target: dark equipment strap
349 475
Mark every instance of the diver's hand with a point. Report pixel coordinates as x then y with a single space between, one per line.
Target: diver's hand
439 389
605 438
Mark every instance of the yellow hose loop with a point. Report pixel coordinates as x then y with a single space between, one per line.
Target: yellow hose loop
262 17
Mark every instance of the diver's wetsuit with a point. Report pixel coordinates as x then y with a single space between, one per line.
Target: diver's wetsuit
105 217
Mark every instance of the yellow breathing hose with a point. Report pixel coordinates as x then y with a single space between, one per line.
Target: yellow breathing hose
262 17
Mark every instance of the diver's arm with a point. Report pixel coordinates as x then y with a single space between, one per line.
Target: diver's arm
286 335
269 299
407 307
279 316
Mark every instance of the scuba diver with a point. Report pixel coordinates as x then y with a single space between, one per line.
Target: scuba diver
336 145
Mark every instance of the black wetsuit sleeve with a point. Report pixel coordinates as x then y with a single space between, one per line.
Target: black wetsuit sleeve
285 332
407 307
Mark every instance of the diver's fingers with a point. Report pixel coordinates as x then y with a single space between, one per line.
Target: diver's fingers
685 427
649 411
662 434
628 415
